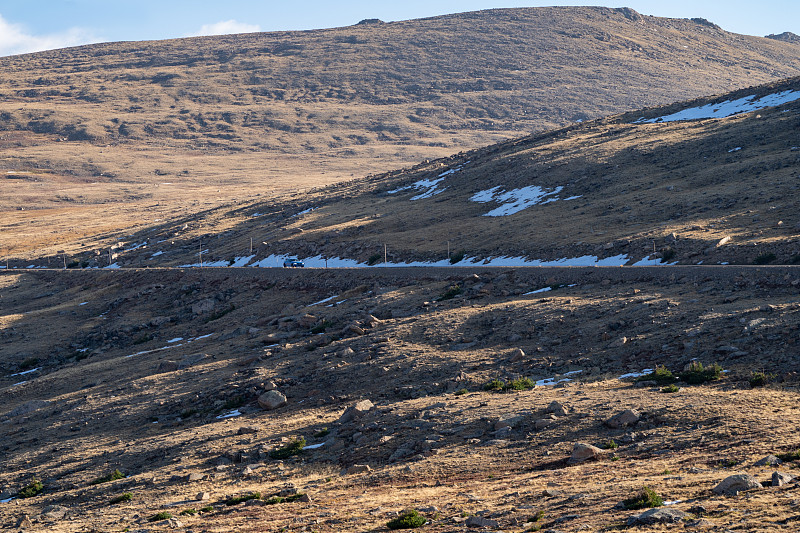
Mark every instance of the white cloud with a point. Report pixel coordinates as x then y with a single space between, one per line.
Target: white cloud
226 27
15 39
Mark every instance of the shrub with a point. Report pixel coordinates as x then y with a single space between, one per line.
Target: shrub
698 374
667 254
34 488
158 517
186 413
374 258
113 476
457 257
295 447
219 314
646 498
324 432
285 499
143 339
188 512
239 499
789 457
125 497
520 384
764 259
234 403
206 509
494 385
450 293
461 392
321 327
670 389
759 379
407 520
610 445
660 375
29 363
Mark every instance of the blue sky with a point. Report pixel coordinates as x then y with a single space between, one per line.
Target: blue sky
31 25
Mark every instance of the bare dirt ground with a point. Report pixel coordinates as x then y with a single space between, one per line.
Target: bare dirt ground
156 372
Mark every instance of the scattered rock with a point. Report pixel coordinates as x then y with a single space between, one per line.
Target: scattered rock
167 366
271 400
195 476
27 408
582 452
556 408
510 422
780 479
700 523
203 496
191 360
542 423
657 516
54 512
247 430
356 411
517 355
479 521
736 483
769 460
203 306
628 417
356 469
24 522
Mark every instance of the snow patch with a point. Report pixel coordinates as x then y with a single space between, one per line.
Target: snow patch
313 446
157 254
516 200
323 301
645 372
230 415
25 373
176 339
727 108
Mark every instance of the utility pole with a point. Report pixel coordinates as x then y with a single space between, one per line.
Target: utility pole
385 254
654 253
448 250
201 254
251 246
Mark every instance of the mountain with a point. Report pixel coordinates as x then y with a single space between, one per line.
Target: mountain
100 137
709 181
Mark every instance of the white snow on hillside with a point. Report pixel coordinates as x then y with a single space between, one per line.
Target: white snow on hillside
503 261
430 187
516 200
727 108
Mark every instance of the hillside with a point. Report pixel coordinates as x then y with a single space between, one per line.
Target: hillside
100 134
709 181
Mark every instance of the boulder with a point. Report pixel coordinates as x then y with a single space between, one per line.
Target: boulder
780 479
661 515
479 521
628 417
517 355
556 408
54 512
582 452
271 400
356 411
736 483
769 460
356 469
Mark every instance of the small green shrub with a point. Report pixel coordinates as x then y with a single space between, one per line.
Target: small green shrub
645 499
759 379
245 497
610 445
285 499
764 259
29 363
407 520
186 413
34 488
670 389
324 432
789 457
122 498
495 385
461 392
206 509
143 339
188 512
537 517
374 258
520 384
234 403
667 254
158 517
450 293
457 257
660 375
295 447
113 476
698 374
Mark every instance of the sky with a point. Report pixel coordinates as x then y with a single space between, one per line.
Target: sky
34 25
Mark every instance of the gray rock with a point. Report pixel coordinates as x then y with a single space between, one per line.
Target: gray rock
542 423
271 400
700 523
24 522
203 306
356 411
27 408
479 521
356 469
191 360
780 479
556 408
627 417
510 422
517 355
203 496
769 460
54 512
660 515
736 483
582 452
247 430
